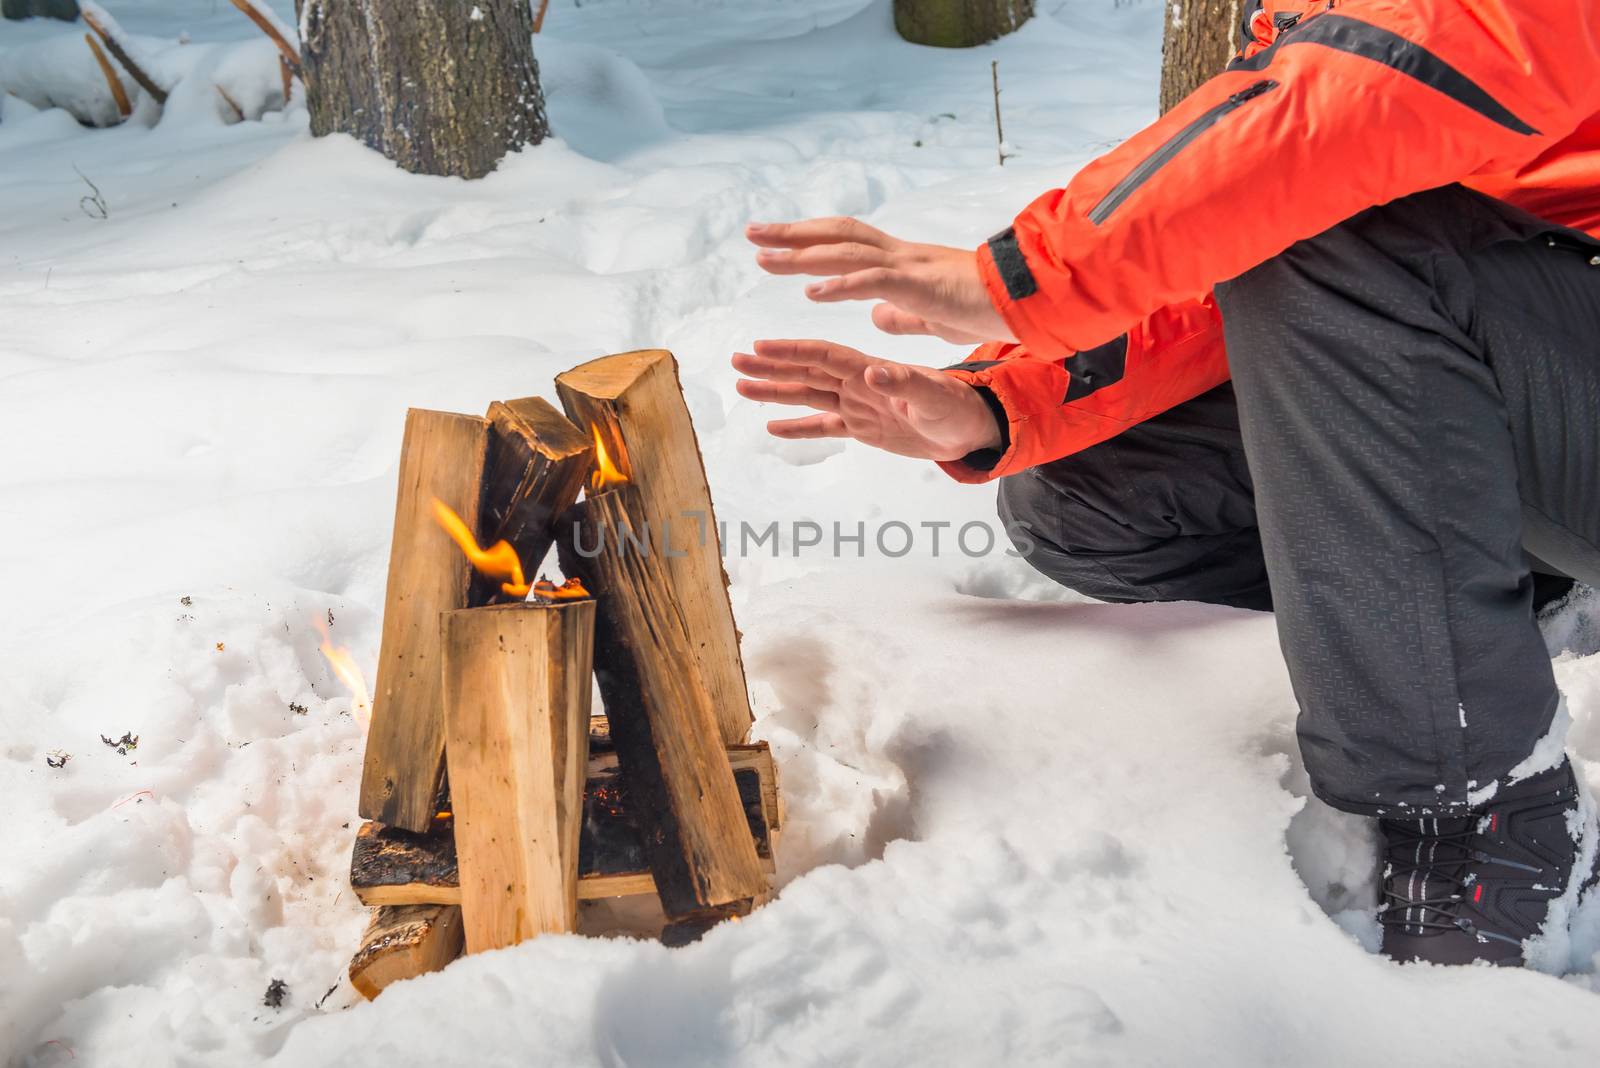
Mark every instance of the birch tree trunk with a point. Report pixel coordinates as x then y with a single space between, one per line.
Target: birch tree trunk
958 23
439 86
1199 40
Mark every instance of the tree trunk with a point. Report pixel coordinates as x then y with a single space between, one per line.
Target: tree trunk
958 23
1199 41
438 86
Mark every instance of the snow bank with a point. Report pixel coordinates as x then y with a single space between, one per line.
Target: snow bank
1022 828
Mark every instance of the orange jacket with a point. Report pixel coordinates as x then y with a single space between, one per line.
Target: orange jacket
1330 108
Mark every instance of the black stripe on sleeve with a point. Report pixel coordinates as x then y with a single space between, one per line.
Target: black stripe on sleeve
1096 368
1363 39
1012 266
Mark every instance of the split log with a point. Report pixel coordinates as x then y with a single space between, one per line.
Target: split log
390 866
396 867
516 710
537 464
635 404
442 456
680 785
405 941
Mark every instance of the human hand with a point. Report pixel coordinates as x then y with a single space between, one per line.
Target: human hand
900 408
926 289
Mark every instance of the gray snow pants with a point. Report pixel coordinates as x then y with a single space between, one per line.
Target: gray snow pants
1418 403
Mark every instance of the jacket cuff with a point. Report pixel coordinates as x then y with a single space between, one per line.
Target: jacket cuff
984 465
1009 282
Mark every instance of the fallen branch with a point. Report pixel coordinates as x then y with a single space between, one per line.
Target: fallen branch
105 27
270 28
538 16
999 131
288 78
118 93
232 103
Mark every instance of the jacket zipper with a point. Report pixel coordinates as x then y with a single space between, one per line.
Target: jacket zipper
1159 158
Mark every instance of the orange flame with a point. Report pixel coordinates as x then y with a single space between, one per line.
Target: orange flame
570 590
348 672
605 472
498 561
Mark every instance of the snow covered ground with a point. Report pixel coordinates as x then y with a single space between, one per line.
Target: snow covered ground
1023 828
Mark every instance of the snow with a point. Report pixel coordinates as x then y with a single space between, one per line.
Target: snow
1023 828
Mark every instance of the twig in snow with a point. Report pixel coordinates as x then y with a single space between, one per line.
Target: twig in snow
538 16
999 131
288 79
106 29
267 27
118 93
238 113
92 205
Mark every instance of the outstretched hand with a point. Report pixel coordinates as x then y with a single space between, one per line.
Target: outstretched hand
926 289
901 408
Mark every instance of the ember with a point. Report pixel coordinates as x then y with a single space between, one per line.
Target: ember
498 561
570 590
346 671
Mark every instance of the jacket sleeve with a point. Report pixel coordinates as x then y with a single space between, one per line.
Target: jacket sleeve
1055 407
1352 107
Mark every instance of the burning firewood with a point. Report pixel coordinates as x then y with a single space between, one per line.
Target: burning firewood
537 464
395 867
442 456
516 711
662 721
403 942
634 406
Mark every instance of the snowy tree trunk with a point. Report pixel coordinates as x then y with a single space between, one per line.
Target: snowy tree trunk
958 23
438 86
1199 41
65 10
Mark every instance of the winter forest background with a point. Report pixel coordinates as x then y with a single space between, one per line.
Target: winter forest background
1022 828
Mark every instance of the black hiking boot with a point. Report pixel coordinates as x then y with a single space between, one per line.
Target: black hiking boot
1457 891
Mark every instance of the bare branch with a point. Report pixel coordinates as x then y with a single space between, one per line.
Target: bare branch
266 25
233 104
118 93
93 18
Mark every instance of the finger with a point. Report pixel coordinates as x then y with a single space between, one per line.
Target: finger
823 259
892 319
874 283
836 360
788 393
783 371
812 426
810 232
917 386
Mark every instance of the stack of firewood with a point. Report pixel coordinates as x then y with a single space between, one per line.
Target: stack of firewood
499 808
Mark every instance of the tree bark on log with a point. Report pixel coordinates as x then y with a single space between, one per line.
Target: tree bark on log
680 786
1199 41
958 23
634 403
438 86
405 941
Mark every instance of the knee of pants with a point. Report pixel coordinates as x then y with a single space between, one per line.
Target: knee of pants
1108 557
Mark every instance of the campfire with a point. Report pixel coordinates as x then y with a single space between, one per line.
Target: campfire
497 807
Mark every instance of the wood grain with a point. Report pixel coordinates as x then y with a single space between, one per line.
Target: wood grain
537 465
636 401
516 709
405 941
680 787
442 456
